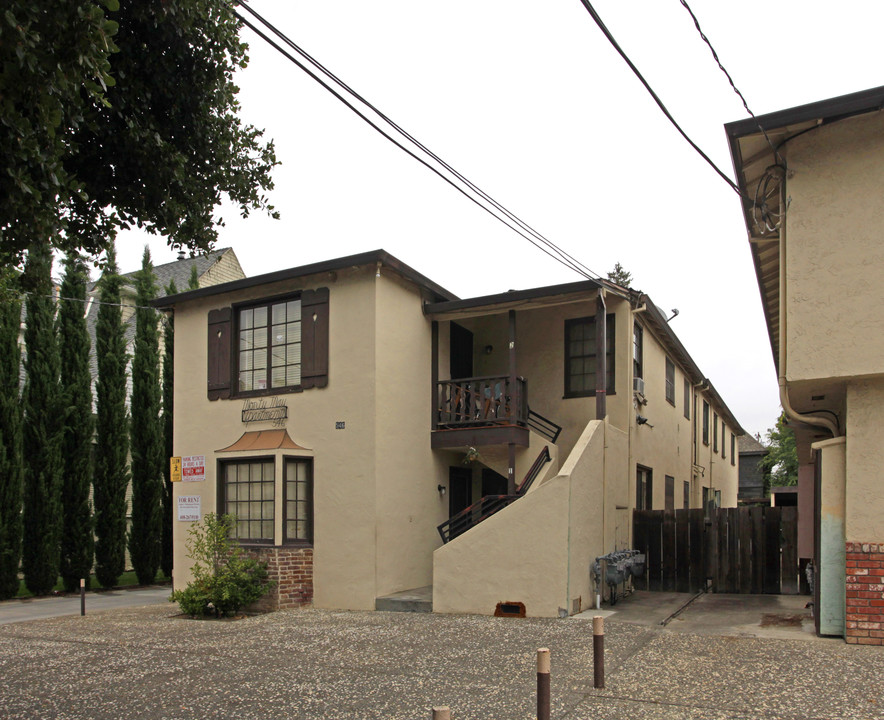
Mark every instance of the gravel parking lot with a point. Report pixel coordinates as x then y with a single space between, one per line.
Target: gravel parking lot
148 663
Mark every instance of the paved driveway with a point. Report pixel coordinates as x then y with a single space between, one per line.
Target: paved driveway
770 616
147 663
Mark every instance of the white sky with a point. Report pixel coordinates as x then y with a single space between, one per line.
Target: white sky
530 102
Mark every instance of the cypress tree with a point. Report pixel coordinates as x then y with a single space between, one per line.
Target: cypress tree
193 282
76 393
112 438
166 560
10 437
145 538
41 428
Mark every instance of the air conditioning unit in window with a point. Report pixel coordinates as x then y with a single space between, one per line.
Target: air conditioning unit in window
638 385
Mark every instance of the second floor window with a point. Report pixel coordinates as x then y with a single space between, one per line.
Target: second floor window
705 423
670 381
715 432
269 346
637 351
581 354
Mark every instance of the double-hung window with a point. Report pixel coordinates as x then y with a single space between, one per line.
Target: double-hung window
638 351
581 356
269 346
670 382
705 423
715 432
687 399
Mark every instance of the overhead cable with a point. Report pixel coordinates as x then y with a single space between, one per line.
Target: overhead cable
731 81
522 228
598 21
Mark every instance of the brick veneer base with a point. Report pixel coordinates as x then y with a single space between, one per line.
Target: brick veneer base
865 593
292 570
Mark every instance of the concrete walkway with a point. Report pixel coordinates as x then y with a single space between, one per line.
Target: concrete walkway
13 611
150 663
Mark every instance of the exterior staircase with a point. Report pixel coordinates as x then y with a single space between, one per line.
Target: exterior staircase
414 600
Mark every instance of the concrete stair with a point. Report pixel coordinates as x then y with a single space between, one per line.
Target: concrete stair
414 600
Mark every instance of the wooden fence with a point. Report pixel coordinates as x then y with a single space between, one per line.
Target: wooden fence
740 550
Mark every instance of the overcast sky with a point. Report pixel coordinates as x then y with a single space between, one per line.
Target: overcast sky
530 102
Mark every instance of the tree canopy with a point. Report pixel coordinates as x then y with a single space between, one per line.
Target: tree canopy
620 276
118 117
780 464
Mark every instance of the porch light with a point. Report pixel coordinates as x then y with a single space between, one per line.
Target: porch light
441 489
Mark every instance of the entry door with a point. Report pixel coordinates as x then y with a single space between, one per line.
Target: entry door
461 352
460 489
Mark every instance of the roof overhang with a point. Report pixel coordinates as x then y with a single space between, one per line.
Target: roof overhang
374 258
521 300
756 165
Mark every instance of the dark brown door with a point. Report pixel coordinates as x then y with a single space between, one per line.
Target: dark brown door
460 489
461 352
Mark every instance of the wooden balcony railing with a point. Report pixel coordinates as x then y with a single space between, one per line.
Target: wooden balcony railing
481 401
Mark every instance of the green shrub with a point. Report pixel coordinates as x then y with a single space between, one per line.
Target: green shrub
225 579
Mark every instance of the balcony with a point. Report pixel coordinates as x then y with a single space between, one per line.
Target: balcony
478 411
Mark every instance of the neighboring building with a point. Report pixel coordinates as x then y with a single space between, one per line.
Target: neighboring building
346 409
812 206
752 454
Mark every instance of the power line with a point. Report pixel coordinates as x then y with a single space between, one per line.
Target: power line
731 81
534 237
598 21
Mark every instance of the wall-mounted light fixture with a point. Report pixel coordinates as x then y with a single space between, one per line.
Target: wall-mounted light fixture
441 489
489 349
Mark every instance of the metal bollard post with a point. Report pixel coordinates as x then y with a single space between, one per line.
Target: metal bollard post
598 651
82 596
441 713
543 684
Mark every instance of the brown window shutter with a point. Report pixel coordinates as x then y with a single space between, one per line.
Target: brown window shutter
220 341
314 338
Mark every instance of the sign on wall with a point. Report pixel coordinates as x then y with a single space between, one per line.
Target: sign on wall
189 508
273 410
175 469
193 468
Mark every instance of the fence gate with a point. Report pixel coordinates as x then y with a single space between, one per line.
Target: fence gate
740 550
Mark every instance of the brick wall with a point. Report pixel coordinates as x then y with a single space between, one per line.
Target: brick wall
865 594
292 569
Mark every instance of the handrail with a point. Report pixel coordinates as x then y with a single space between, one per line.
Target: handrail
473 515
534 471
488 505
543 426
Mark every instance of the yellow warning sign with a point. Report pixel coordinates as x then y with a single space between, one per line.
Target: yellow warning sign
175 469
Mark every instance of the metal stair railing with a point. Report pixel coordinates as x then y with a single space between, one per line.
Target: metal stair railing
472 515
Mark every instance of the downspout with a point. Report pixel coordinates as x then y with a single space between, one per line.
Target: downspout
790 412
601 390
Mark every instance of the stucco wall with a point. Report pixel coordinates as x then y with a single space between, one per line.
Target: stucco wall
408 506
353 485
665 447
864 500
526 553
834 251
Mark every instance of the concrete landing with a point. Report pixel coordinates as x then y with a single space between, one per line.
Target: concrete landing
418 600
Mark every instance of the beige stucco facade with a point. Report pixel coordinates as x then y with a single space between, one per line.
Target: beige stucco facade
381 485
818 258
